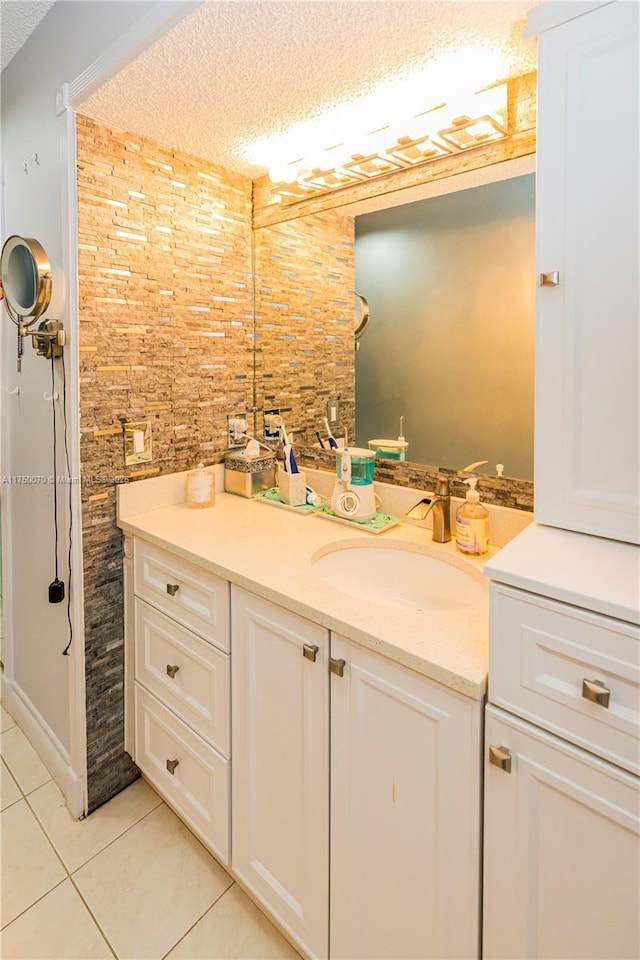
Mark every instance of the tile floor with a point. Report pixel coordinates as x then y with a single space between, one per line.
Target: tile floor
128 882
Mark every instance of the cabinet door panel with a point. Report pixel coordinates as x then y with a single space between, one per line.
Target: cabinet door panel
561 851
405 812
587 400
280 775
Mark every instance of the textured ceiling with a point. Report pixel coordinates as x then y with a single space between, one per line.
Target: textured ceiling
18 20
235 71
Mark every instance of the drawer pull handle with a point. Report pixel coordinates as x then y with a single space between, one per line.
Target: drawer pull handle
172 589
550 279
596 691
500 757
171 766
310 651
172 669
336 666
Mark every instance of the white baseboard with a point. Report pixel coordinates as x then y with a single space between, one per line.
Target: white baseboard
46 744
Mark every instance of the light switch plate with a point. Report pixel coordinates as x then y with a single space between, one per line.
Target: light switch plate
137 443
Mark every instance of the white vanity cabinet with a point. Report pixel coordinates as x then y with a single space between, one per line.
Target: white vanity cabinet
280 791
177 680
404 765
342 789
587 374
562 801
405 812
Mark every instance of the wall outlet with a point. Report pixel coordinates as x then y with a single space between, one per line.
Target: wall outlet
272 421
333 412
137 443
236 430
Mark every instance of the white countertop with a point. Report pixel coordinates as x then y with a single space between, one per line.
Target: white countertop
586 571
269 550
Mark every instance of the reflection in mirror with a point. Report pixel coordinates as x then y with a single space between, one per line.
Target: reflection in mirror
474 271
450 345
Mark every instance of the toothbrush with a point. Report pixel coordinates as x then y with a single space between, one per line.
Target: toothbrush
330 436
290 465
320 440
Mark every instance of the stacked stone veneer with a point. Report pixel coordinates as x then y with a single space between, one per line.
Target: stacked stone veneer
304 321
166 335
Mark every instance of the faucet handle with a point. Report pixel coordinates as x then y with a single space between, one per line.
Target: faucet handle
442 487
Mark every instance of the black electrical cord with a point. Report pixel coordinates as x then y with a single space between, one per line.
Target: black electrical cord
65 652
55 464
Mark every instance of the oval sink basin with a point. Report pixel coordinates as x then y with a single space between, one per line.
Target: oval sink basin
399 577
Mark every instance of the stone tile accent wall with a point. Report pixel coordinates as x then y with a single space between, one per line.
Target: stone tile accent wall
304 321
166 335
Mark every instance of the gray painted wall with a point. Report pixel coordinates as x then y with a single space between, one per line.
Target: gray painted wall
451 282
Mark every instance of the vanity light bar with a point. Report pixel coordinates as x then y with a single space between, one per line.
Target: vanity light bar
443 130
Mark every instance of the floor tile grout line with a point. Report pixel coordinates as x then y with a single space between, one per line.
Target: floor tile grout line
18 787
94 918
195 924
71 872
26 909
69 875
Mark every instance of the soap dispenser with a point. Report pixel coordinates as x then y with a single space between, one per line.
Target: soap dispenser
472 523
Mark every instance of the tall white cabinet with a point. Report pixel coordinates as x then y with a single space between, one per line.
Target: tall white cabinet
561 854
587 435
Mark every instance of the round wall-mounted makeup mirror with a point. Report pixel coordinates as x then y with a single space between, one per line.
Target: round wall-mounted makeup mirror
26 279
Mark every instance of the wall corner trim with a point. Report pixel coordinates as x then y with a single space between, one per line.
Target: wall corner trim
62 99
134 41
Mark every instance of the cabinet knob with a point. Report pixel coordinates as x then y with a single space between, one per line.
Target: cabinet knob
500 757
337 666
172 669
171 766
310 651
172 589
596 691
551 279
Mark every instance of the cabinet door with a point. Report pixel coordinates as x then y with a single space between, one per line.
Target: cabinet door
405 813
561 850
280 769
587 376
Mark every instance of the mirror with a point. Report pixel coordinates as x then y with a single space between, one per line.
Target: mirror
26 279
449 346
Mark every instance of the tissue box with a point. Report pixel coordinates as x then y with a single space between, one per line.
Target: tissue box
292 488
246 476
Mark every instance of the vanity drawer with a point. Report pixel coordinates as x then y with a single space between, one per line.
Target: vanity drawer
547 658
188 674
196 599
198 788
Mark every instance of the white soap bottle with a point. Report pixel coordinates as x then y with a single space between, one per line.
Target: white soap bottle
472 523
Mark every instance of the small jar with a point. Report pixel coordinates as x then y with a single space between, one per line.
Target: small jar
201 488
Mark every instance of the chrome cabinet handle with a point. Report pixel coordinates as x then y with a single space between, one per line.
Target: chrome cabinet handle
500 757
551 279
596 691
171 766
172 669
336 666
310 651
172 589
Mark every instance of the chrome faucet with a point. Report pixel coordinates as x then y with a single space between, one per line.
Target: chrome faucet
441 507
